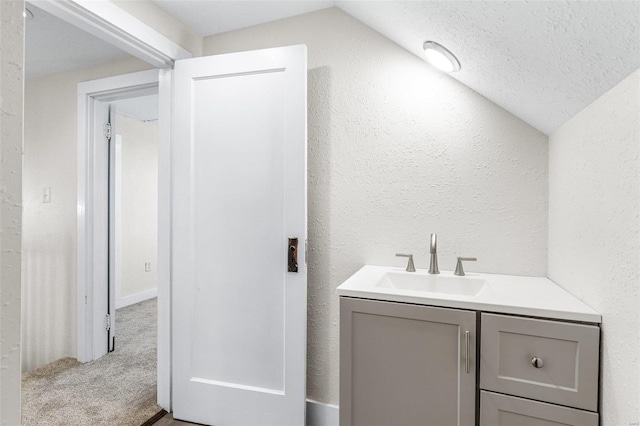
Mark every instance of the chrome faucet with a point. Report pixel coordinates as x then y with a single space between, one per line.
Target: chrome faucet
433 266
459 270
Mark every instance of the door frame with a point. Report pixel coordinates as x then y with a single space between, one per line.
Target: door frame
91 235
112 24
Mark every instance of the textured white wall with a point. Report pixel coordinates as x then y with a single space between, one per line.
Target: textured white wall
49 230
594 232
139 198
11 101
397 151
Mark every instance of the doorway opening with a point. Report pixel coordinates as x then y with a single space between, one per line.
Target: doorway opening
134 124
133 226
123 211
61 383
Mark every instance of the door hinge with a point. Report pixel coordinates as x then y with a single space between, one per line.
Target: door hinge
107 322
107 130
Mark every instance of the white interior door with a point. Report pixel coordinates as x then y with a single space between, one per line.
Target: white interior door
99 250
239 193
113 247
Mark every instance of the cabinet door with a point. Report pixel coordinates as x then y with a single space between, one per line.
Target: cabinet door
406 364
505 410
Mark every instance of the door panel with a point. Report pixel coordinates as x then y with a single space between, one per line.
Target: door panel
239 173
239 205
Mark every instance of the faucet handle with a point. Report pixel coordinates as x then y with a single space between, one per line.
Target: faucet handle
410 266
459 271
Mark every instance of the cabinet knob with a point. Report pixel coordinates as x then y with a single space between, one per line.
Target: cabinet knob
537 362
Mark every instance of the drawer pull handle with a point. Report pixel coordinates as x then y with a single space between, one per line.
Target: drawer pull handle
467 351
537 362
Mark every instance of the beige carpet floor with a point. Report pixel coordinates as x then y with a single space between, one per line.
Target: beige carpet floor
117 389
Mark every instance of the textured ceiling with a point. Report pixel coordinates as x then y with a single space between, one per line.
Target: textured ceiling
543 61
53 45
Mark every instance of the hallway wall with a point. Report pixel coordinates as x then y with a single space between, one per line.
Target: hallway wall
398 150
139 212
49 240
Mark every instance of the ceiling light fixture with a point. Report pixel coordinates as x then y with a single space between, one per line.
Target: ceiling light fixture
440 57
27 14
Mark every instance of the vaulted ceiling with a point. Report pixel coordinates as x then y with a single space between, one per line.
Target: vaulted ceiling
543 61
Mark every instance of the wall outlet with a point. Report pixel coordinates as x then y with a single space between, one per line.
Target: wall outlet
147 266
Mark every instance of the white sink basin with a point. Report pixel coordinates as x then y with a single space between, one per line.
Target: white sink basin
464 286
509 294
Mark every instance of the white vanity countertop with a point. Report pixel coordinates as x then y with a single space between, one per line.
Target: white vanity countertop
509 294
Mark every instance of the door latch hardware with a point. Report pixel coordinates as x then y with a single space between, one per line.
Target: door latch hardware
292 255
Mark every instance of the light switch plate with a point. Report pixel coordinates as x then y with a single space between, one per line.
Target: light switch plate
147 266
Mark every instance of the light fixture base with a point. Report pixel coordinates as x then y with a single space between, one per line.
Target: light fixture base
440 57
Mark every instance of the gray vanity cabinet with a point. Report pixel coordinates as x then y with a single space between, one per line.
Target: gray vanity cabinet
403 364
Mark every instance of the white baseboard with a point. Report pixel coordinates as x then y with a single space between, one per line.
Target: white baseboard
319 414
136 298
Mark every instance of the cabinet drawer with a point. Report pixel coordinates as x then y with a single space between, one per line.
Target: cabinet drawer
504 410
567 370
